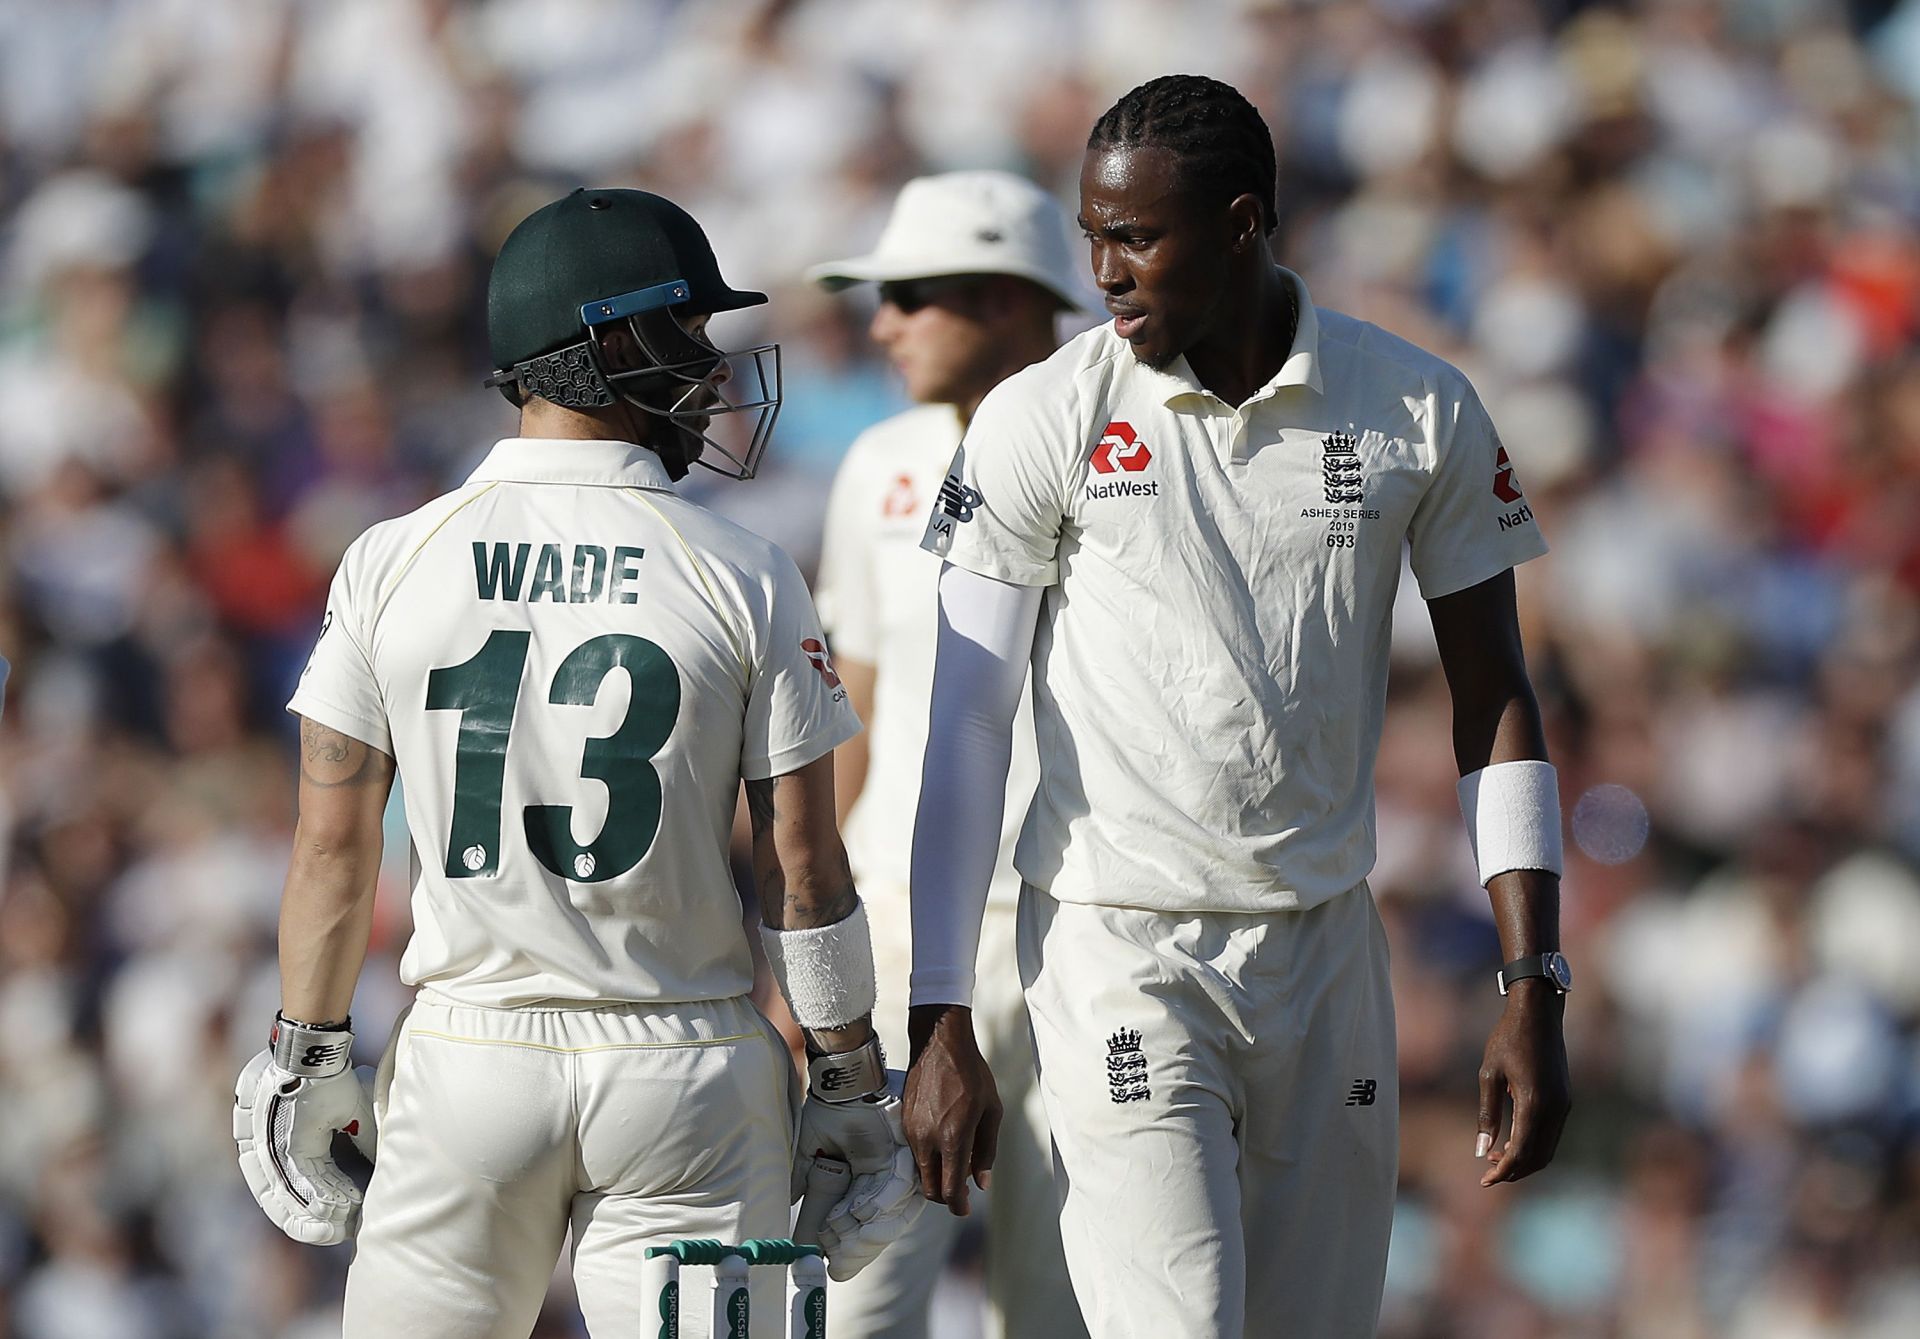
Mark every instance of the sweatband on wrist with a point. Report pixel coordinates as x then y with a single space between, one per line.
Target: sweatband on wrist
1513 817
825 972
309 1050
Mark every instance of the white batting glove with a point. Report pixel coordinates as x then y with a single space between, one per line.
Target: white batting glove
862 1133
289 1102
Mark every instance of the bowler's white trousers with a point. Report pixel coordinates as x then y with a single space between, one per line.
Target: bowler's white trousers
632 1124
1221 1090
1028 1291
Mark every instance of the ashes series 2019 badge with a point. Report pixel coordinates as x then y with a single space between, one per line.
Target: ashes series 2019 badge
1343 482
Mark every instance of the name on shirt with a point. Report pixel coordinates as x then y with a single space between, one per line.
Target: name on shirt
589 574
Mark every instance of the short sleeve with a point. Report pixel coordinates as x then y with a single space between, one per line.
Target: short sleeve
1001 505
797 710
844 591
1473 523
338 687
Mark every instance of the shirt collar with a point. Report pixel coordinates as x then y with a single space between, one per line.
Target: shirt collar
553 460
1300 368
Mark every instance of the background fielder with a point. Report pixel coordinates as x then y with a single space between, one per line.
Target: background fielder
1192 521
972 268
574 670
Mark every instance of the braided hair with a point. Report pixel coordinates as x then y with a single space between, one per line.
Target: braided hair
1222 142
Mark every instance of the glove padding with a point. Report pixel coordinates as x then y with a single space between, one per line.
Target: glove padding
284 1126
884 1198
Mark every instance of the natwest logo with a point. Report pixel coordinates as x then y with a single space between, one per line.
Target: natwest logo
817 654
1121 449
1504 486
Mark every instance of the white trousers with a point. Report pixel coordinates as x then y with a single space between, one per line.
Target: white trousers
500 1129
1027 1284
1222 1093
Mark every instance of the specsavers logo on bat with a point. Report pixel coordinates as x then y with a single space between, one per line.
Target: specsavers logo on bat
1119 454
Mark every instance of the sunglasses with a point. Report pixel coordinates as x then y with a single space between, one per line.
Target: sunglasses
910 295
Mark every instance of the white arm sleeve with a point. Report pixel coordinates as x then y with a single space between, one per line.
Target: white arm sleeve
980 667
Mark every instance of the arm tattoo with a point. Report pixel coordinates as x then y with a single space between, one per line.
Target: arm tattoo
329 759
813 897
823 902
760 807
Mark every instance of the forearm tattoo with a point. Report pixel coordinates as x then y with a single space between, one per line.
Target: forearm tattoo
813 898
760 808
330 759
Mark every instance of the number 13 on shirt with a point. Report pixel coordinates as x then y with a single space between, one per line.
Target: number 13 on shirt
486 692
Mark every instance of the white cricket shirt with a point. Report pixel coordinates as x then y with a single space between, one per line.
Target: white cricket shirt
879 598
1210 669
574 668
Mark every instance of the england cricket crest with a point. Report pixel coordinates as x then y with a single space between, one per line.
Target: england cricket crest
1127 1067
1340 468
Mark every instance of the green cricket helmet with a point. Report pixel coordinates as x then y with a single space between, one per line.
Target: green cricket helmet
600 257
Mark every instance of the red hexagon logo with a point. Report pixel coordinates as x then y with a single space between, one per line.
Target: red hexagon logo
1120 448
1504 486
817 655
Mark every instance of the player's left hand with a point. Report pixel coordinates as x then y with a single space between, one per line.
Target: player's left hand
884 1198
283 1124
1525 1068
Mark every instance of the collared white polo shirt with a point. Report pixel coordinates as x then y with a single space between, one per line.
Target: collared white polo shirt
574 668
1210 669
879 599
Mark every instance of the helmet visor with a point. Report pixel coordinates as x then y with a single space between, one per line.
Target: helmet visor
723 403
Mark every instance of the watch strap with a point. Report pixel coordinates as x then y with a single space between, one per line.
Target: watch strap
1534 964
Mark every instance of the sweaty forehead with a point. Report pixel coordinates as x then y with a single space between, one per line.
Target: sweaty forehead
1134 181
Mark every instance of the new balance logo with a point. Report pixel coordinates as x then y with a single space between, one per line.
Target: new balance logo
1362 1093
833 1080
1127 1067
957 500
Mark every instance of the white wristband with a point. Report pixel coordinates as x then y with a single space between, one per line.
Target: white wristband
826 972
1513 817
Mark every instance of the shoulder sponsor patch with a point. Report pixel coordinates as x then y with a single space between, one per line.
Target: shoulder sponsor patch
817 656
1505 486
956 505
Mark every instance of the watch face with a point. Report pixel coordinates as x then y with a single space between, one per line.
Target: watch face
1561 973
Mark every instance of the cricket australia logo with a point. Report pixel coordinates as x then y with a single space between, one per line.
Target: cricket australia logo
1340 467
957 500
1127 1067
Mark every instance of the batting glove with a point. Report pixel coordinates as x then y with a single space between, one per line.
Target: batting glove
852 1116
289 1102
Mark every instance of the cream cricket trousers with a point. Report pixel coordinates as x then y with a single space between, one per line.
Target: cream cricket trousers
500 1129
1222 1093
1027 1284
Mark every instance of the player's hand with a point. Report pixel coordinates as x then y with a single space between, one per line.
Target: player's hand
953 1107
284 1125
860 1218
1524 1072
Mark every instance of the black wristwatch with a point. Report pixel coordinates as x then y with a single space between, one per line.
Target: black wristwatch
1553 966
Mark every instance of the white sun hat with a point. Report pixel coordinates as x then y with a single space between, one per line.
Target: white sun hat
980 222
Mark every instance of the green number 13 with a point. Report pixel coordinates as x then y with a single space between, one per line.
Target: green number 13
486 692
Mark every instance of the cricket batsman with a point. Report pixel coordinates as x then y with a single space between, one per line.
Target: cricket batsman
573 670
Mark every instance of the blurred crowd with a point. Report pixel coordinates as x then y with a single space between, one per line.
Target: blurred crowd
243 252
